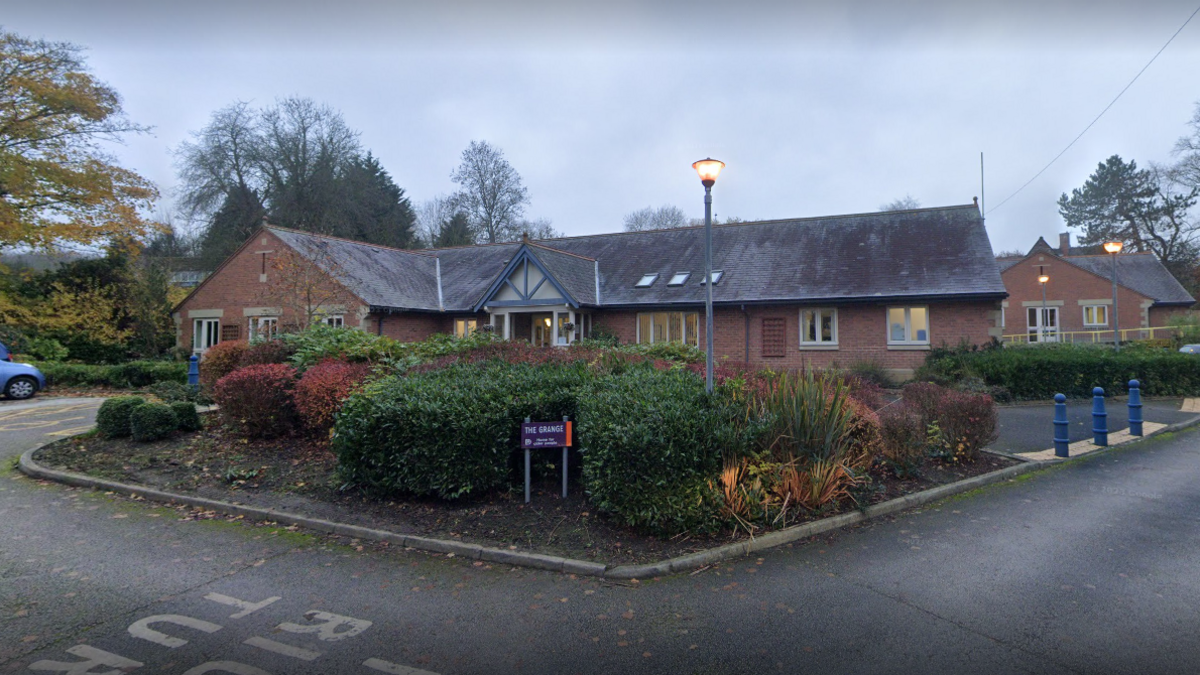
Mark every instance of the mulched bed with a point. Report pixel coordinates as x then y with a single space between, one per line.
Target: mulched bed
297 475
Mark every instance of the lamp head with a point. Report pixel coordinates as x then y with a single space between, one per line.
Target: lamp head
1113 246
1042 278
708 169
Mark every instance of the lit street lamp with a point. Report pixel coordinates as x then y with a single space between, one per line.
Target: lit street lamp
1042 279
1114 247
708 169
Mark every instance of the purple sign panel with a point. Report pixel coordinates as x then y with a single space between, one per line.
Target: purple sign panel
545 435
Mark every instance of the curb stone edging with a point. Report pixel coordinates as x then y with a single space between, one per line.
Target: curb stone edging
691 561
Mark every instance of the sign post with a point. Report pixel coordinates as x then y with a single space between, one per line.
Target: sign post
536 435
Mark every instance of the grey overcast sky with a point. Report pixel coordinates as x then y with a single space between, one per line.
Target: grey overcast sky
817 108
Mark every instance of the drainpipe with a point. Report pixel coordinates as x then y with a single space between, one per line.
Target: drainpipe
380 329
747 315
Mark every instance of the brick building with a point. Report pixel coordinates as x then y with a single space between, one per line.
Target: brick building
1079 294
882 287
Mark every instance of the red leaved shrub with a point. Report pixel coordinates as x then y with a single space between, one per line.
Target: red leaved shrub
924 399
968 422
267 351
320 392
257 400
220 360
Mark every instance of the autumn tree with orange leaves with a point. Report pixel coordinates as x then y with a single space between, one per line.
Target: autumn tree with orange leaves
304 290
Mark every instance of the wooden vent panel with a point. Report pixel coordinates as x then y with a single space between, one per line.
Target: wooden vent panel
230 332
774 337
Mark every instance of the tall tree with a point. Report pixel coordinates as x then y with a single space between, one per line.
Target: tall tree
240 214
490 192
538 228
1187 149
57 185
372 207
1138 207
650 218
432 214
455 231
303 290
905 203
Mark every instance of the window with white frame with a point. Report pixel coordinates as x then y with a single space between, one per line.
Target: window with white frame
205 334
465 327
668 327
1095 315
336 321
263 327
908 325
818 327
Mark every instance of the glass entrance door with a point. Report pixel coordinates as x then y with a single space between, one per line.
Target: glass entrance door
543 329
1043 324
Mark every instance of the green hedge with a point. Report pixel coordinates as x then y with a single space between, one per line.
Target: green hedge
1041 371
448 432
652 441
113 417
131 375
152 421
186 415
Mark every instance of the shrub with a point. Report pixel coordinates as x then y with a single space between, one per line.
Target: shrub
322 389
257 400
112 419
903 441
653 441
319 343
186 415
924 399
448 432
220 360
807 416
267 351
131 375
871 371
152 421
968 423
170 392
45 349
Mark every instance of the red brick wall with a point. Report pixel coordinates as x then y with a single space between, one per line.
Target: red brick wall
237 286
1069 284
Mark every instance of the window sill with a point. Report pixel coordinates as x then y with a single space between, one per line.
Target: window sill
818 347
908 348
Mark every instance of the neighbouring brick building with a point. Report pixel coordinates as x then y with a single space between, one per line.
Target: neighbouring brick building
882 287
1079 294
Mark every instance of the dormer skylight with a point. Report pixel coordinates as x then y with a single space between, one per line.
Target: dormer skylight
716 276
679 279
647 281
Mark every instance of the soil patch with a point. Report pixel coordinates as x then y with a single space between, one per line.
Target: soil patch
298 475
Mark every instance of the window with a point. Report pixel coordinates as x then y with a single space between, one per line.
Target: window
646 281
230 332
908 325
464 327
774 337
717 274
565 327
205 333
668 327
1095 315
818 327
335 321
679 279
263 327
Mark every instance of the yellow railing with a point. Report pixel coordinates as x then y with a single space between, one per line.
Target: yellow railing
1092 336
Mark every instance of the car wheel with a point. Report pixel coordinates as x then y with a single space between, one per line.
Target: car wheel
21 388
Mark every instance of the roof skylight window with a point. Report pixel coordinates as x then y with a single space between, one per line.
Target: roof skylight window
679 279
647 281
716 277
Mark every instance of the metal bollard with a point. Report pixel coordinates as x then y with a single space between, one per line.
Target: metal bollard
194 372
1062 428
1099 418
1135 408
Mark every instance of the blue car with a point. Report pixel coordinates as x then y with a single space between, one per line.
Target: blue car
19 380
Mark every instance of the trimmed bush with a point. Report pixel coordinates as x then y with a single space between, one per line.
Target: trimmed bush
131 375
220 360
170 392
112 419
186 415
653 440
968 423
322 389
903 437
152 421
257 400
450 432
267 351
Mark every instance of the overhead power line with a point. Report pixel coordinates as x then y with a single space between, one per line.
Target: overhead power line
1093 122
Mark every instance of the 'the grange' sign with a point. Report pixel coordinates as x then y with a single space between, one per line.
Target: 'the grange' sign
545 435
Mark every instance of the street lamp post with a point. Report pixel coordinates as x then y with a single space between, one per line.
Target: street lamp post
1042 279
1114 247
708 169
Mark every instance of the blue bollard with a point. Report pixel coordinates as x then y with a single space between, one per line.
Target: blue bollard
1099 418
1062 428
1135 408
194 372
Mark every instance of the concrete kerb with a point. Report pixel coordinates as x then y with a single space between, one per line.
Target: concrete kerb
691 561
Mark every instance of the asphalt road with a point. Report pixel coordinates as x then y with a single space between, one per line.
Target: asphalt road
1093 567
1030 427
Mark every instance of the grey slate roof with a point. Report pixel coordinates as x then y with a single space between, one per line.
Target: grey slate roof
1142 272
921 253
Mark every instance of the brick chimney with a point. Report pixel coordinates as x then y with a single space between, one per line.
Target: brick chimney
1064 243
